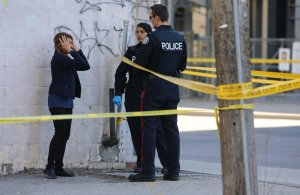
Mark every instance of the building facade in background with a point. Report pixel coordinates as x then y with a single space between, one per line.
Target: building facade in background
274 24
26 32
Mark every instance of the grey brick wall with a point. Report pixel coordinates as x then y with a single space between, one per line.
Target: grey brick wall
27 28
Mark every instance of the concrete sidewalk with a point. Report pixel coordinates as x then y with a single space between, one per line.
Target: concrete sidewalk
115 182
280 176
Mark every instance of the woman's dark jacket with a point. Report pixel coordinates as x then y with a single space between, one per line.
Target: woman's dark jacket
65 80
134 84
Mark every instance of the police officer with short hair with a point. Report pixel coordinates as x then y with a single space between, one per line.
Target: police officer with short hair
133 89
163 51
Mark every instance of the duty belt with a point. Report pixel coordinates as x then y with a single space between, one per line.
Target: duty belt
151 76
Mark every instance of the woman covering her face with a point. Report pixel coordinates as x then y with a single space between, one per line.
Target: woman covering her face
64 87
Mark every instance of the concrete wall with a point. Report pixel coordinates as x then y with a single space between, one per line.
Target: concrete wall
27 28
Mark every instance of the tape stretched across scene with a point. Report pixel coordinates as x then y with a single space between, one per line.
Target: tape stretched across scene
253 60
194 85
244 91
258 73
227 92
43 118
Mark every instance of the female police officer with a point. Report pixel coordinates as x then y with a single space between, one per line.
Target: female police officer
133 89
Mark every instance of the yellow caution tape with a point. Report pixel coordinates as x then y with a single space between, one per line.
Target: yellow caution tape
92 115
278 75
265 81
227 92
230 91
231 107
197 86
253 61
210 69
202 74
271 61
244 91
201 60
233 91
275 88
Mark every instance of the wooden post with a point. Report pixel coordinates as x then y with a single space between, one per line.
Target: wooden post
232 47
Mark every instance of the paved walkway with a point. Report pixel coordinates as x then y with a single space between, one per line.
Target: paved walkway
115 182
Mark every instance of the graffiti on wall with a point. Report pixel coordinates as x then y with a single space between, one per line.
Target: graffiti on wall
90 41
100 36
97 6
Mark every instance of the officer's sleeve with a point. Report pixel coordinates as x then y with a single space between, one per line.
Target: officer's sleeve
182 66
120 75
145 52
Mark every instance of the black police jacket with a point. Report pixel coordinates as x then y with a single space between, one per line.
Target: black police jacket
134 84
65 80
163 51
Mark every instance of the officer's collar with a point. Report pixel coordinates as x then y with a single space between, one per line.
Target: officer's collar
164 26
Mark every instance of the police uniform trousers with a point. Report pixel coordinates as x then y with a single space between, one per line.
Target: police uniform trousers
160 95
132 104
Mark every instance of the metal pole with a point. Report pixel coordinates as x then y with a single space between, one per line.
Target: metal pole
254 18
171 14
240 80
265 31
124 47
125 33
209 39
137 13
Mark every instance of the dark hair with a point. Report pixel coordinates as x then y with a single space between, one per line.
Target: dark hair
59 35
145 26
161 11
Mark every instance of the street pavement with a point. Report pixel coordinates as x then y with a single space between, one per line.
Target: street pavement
198 175
277 125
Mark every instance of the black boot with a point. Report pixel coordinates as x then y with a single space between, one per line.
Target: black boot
164 170
64 173
137 170
50 173
141 178
170 177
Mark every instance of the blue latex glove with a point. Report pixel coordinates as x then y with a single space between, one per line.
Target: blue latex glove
117 100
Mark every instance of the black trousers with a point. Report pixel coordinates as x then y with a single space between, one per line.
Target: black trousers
132 103
160 95
59 140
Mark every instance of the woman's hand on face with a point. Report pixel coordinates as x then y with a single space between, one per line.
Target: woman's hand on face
65 44
73 45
